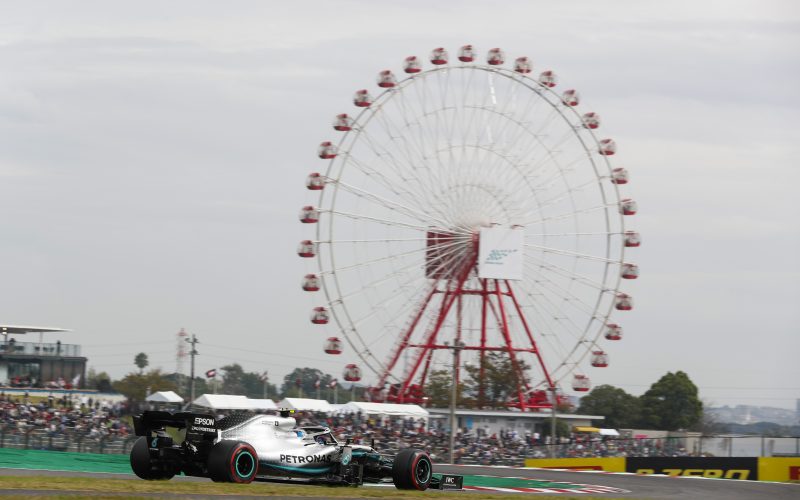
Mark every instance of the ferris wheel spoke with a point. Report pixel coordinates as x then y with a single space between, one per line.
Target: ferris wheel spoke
570 253
404 175
544 264
566 295
393 205
382 180
503 115
450 249
561 327
604 234
550 331
414 156
378 220
442 264
566 215
379 240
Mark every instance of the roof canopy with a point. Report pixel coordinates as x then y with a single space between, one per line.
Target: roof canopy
262 404
233 402
17 329
222 402
385 409
306 404
164 397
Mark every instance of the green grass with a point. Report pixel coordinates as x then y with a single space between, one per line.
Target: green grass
75 487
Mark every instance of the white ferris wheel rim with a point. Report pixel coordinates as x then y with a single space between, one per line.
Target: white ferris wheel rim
362 340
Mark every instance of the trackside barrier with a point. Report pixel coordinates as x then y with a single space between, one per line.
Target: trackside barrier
616 464
712 467
779 469
746 468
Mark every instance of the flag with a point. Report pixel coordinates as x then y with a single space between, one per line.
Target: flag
316 383
211 373
333 383
76 380
264 377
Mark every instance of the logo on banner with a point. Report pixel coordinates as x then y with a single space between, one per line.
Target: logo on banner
497 256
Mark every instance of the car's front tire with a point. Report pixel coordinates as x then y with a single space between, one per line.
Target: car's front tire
142 465
412 470
232 462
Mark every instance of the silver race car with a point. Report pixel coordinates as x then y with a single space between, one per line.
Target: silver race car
244 447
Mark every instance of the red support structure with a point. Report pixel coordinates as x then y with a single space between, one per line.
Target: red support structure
530 336
454 285
447 303
400 347
511 355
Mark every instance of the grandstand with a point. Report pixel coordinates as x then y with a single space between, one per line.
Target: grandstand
43 365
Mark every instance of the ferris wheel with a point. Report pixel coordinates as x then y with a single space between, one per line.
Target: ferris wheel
467 209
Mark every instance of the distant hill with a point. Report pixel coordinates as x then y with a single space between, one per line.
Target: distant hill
745 414
764 428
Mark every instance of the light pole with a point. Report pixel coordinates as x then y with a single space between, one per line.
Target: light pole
453 395
192 353
553 423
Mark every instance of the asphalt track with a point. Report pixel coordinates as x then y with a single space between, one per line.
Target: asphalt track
635 486
642 486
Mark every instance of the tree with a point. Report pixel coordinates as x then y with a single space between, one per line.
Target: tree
304 379
141 361
622 410
237 381
100 382
136 385
671 403
439 390
500 380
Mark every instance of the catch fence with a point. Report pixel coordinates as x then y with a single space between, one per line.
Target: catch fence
12 436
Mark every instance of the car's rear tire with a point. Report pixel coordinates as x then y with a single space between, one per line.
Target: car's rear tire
232 462
412 470
142 465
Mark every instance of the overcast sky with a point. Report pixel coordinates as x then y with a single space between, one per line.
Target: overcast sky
153 155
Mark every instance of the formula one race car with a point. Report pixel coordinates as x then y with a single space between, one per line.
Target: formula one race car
243 447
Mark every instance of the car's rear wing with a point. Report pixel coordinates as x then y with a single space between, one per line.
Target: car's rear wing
199 426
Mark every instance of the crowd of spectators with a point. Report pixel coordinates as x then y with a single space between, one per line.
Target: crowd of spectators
87 424
478 445
61 419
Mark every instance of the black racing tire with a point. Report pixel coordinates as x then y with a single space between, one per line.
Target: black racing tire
232 462
142 465
412 470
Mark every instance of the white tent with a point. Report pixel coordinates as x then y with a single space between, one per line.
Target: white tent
390 409
306 404
609 432
164 397
262 404
234 402
223 402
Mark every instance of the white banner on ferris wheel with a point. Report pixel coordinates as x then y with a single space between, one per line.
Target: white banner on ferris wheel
500 253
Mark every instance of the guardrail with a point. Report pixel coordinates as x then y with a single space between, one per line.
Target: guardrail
40 439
